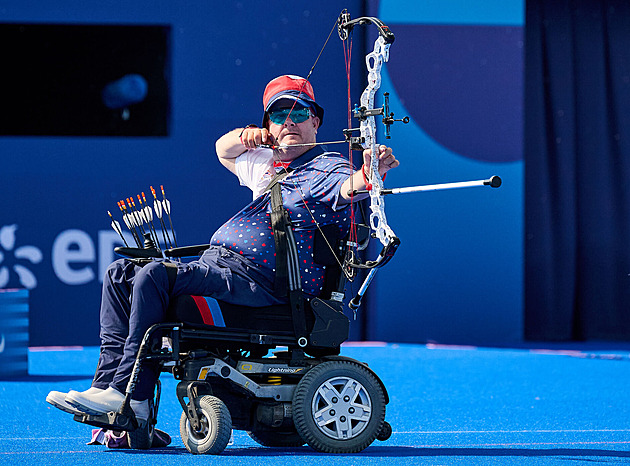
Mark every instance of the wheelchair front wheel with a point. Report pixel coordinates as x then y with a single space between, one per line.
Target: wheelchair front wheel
339 407
215 430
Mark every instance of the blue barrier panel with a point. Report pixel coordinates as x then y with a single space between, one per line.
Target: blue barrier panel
13 333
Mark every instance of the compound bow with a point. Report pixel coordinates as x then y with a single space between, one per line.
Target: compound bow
366 113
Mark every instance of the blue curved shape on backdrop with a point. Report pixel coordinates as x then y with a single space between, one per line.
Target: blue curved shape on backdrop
486 12
461 78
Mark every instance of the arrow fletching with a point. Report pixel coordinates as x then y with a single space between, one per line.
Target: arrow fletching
126 220
157 205
116 227
137 217
148 212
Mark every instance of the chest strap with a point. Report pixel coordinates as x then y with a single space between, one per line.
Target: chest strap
279 223
288 279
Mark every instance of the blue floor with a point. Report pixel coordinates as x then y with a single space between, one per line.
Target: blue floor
448 405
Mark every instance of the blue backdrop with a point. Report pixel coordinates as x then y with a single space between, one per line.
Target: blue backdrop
455 69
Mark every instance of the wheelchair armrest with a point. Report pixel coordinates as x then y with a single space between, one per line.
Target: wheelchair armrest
144 253
186 251
138 253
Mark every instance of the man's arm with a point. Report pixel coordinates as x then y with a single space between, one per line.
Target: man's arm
232 144
229 147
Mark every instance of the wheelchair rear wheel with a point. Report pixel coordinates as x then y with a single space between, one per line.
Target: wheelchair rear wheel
339 407
216 427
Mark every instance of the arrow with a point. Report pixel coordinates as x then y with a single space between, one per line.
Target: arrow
157 206
128 219
116 226
148 213
145 218
167 209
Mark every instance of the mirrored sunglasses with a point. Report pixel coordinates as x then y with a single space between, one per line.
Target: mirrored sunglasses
297 115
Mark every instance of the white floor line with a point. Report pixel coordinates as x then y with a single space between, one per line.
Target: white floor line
528 431
519 444
44 438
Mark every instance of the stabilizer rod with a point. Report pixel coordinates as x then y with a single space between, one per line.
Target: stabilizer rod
493 182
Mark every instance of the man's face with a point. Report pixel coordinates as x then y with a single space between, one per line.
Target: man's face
286 131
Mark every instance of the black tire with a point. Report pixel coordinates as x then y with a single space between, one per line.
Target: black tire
270 438
339 407
142 437
385 432
216 427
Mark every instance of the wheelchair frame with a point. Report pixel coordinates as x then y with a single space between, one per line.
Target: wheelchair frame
305 392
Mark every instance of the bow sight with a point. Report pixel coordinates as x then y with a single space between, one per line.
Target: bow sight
361 113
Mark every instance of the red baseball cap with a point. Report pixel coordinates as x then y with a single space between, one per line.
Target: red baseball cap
293 88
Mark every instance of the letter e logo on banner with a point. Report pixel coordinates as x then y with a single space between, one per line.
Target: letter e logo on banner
73 246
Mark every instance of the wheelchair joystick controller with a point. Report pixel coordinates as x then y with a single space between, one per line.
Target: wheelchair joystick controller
148 241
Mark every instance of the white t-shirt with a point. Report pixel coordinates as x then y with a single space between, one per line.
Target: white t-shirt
254 169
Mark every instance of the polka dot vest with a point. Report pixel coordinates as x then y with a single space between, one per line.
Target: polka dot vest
315 184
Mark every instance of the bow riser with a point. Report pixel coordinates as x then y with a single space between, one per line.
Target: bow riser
374 62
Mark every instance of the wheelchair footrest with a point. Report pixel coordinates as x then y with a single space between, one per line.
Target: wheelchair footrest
112 421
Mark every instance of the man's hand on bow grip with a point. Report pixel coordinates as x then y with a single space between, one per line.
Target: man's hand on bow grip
386 160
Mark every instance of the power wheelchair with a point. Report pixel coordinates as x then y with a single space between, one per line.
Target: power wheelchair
275 372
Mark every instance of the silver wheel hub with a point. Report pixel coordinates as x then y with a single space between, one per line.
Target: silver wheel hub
198 436
341 408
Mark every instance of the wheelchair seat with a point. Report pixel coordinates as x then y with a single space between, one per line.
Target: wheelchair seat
326 324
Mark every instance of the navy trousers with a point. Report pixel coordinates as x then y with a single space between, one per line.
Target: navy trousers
134 298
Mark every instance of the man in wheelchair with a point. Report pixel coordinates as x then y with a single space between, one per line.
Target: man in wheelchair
271 276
